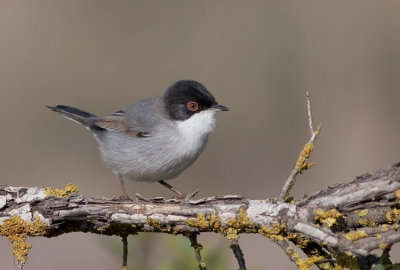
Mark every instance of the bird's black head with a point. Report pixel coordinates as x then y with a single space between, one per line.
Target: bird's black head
186 98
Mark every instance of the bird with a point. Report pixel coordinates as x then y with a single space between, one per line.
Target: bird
155 139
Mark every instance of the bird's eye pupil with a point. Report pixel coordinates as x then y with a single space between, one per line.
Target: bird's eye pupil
192 106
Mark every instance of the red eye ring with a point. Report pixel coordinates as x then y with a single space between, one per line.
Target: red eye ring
192 106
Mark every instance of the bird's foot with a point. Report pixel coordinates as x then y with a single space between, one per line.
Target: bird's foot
123 198
175 199
189 196
141 198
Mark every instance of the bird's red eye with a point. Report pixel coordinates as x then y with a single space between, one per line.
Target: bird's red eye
192 106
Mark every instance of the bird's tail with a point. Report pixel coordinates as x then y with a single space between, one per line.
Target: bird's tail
74 114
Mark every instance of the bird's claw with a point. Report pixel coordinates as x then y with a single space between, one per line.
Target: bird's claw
183 198
190 196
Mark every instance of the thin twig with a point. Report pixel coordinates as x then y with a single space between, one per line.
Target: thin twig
125 253
197 248
238 254
294 256
288 185
285 246
310 118
301 163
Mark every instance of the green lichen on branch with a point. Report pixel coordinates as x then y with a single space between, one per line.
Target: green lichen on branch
70 189
16 229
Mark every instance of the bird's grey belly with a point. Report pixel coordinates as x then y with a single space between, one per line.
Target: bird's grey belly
148 159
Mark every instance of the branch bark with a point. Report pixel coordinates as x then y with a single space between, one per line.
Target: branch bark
357 217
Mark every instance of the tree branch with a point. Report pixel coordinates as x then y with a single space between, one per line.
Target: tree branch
197 248
301 163
357 217
237 251
125 253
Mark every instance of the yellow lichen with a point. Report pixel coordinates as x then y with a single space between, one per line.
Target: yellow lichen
393 215
212 222
354 236
240 224
157 224
299 240
303 264
301 163
311 164
378 235
363 213
70 189
372 223
231 233
205 222
16 229
276 233
385 228
363 222
329 217
242 221
383 245
398 194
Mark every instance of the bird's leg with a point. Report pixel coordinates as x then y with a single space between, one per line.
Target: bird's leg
121 180
180 194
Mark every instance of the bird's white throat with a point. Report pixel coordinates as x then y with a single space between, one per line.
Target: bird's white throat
197 125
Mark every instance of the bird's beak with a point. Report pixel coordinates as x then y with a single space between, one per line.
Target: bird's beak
218 107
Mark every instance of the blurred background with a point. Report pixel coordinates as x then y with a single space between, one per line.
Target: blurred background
258 58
